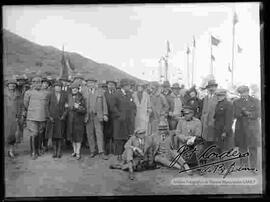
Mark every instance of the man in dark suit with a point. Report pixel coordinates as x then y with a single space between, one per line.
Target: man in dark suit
111 126
125 104
223 122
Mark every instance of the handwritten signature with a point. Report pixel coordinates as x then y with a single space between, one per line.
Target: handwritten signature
217 165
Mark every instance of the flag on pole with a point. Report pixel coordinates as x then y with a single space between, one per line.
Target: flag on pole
70 64
235 18
239 49
64 69
214 41
168 47
213 58
194 42
229 68
188 50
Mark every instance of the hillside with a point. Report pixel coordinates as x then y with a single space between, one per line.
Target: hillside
22 56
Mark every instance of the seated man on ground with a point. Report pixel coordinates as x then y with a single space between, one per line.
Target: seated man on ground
137 155
164 151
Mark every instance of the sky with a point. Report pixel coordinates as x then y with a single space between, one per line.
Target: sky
133 37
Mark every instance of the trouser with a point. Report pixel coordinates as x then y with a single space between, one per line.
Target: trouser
109 146
119 147
57 144
76 147
250 160
172 123
173 160
95 135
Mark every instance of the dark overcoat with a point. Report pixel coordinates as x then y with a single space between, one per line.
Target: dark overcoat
223 124
125 106
247 127
113 115
55 129
75 118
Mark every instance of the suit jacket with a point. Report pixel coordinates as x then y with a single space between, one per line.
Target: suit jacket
99 107
112 104
170 142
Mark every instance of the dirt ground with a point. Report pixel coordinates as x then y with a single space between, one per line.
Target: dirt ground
67 176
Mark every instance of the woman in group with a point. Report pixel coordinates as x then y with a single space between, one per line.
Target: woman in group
75 118
12 114
194 101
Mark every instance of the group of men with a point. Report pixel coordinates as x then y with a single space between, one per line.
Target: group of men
143 124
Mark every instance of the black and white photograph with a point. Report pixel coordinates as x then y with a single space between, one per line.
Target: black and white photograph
133 99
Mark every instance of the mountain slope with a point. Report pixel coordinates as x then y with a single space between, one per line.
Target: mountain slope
22 56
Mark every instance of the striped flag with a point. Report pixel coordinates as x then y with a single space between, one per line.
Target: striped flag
188 50
239 49
168 47
235 18
214 41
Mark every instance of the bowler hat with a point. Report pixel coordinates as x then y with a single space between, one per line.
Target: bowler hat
75 85
57 83
242 89
221 92
124 82
166 84
176 86
211 83
111 81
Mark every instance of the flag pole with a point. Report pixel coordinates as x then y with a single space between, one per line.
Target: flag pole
211 59
233 39
193 57
188 67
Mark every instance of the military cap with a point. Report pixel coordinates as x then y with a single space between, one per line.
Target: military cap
57 83
187 109
163 125
221 92
90 79
211 83
140 131
242 89
75 85
124 82
176 86
166 84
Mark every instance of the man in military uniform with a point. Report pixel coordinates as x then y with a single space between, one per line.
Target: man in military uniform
223 122
188 131
137 155
36 107
247 112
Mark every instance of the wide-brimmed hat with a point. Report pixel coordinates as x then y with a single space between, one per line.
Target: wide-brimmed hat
211 83
140 131
176 86
243 89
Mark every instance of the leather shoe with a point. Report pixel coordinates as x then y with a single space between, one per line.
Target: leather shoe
131 176
103 156
92 155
